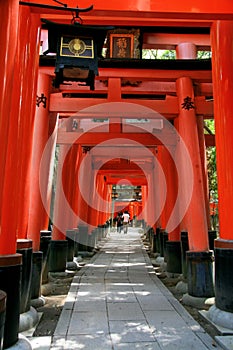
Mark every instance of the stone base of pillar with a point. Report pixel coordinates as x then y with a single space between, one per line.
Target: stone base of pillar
91 241
24 247
159 261
156 241
212 235
23 344
200 274
223 275
82 238
182 287
37 261
163 237
70 237
222 320
197 302
2 316
173 257
28 320
45 238
10 277
39 302
57 255
184 249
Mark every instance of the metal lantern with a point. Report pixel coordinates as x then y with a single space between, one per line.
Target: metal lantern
78 48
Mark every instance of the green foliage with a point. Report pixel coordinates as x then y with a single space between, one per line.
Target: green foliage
211 163
170 54
203 54
158 54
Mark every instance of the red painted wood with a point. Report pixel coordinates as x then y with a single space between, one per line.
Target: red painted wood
196 221
61 208
148 9
38 217
29 44
9 104
221 38
169 168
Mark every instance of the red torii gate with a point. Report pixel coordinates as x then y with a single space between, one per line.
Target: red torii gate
23 141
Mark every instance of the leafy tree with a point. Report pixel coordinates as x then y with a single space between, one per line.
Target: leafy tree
211 162
170 54
158 54
203 54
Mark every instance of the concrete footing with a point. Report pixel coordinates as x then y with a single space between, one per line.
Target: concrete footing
28 319
220 318
39 302
72 266
182 287
197 302
22 344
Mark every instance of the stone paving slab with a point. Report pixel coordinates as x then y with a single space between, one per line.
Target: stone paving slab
40 343
225 341
117 302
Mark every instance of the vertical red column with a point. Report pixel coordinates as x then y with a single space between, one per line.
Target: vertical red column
76 192
201 136
100 202
9 120
189 51
222 33
73 187
222 61
161 189
195 219
171 190
186 121
59 244
29 26
84 182
198 238
144 201
199 255
61 208
38 218
94 205
10 99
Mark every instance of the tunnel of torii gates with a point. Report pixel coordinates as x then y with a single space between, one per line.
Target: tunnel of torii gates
151 136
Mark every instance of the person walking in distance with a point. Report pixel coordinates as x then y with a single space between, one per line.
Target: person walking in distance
126 219
119 221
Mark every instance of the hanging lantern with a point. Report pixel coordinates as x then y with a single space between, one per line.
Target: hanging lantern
78 48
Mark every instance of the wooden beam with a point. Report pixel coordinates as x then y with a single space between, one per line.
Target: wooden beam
140 154
128 139
155 74
143 87
169 41
167 107
73 105
169 9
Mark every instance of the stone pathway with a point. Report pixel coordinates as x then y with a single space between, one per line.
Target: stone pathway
117 302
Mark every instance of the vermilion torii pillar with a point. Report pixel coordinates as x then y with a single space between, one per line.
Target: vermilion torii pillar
199 257
30 37
170 174
171 225
222 62
19 60
38 217
10 261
